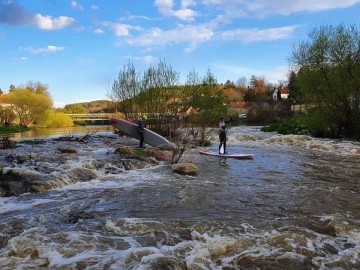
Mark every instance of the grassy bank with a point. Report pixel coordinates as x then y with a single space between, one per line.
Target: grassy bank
294 125
7 129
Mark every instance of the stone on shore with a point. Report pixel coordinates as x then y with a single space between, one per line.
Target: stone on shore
185 168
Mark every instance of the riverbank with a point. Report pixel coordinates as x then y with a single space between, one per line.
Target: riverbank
8 129
298 125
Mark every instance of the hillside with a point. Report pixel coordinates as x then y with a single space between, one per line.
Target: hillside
98 106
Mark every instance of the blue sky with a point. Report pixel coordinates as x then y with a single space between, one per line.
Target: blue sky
78 47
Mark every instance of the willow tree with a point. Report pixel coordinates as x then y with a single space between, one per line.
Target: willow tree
125 89
152 92
328 78
204 96
28 105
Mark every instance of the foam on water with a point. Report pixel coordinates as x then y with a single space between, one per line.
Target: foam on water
243 136
12 204
132 243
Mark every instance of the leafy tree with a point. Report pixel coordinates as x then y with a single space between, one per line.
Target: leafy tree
158 97
74 109
328 78
205 97
7 115
1 92
37 87
229 84
125 89
152 93
258 90
29 106
57 119
294 92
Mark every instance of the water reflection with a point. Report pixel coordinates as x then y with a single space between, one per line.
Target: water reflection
68 131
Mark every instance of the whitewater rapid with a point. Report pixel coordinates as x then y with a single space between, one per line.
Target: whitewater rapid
296 205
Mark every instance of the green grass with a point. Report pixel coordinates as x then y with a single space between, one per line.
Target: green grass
141 153
7 129
294 125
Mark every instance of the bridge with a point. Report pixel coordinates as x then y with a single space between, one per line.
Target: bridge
89 116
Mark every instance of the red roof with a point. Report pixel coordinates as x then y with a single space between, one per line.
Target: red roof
284 90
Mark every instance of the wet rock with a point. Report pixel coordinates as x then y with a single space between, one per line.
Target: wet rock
185 168
12 184
42 182
19 159
161 155
168 264
112 170
268 263
6 143
82 174
124 150
67 150
75 216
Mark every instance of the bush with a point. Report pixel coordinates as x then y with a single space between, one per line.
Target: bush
294 125
6 129
59 119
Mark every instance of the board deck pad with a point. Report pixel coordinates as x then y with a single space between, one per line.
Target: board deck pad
230 155
150 137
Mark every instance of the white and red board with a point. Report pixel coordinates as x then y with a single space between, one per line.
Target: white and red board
232 155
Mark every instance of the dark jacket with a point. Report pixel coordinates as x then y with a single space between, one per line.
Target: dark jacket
141 126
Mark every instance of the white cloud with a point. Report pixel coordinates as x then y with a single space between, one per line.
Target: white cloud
93 7
98 31
24 58
255 35
193 35
182 34
46 50
187 3
166 7
76 6
148 59
49 23
120 29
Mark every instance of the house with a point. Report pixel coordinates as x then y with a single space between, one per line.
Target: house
284 93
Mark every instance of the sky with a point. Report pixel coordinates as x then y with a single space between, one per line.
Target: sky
77 48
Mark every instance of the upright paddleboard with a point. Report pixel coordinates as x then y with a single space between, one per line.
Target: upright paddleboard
150 137
233 155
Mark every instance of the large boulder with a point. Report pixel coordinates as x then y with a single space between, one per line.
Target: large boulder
12 184
162 155
185 168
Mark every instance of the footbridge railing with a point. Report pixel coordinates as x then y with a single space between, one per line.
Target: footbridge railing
89 116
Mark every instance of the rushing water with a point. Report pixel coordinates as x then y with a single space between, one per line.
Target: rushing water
296 205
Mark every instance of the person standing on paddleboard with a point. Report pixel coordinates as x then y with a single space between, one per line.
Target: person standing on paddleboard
222 136
141 129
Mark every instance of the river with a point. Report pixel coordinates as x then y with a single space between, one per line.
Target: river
296 205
